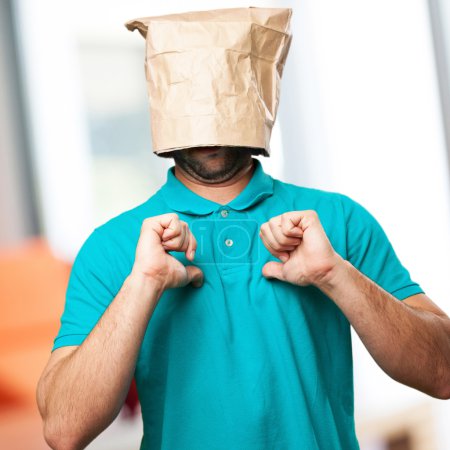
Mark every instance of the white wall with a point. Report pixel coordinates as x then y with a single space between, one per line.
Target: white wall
362 117
58 128
60 144
359 114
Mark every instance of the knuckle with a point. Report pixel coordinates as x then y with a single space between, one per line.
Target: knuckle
182 237
172 217
176 226
285 227
146 223
276 245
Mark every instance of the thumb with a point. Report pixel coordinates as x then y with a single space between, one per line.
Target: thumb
273 269
195 276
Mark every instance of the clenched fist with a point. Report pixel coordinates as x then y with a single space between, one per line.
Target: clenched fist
160 234
298 239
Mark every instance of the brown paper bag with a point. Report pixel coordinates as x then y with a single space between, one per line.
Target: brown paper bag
213 77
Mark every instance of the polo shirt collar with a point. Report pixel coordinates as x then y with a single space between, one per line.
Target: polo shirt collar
182 199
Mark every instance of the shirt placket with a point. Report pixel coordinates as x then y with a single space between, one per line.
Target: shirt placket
233 238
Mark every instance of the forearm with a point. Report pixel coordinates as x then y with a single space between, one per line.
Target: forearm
85 391
410 345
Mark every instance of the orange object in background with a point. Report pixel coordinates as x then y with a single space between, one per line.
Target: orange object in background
32 292
33 286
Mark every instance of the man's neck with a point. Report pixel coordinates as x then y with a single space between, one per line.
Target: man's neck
221 193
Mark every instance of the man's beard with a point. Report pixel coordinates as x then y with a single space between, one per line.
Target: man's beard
216 164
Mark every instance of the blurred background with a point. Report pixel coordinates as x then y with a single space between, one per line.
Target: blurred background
364 110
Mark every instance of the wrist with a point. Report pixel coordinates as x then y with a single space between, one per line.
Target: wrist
145 284
334 276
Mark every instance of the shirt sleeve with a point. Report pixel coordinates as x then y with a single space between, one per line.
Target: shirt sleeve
89 292
370 251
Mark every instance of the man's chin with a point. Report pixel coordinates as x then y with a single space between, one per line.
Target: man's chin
208 173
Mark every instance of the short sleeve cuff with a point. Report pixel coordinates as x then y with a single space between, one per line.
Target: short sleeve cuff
407 291
68 339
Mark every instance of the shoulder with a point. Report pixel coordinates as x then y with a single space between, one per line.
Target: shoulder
334 207
128 223
107 254
321 199
114 240
308 197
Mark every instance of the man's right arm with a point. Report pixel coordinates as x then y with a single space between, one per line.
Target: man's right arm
84 391
83 388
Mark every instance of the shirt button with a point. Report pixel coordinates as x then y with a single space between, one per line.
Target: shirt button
228 242
224 212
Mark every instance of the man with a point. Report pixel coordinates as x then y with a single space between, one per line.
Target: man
250 355
229 296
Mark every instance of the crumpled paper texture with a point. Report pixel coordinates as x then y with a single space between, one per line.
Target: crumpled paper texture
213 77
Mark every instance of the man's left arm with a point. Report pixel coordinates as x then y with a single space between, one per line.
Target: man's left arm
409 339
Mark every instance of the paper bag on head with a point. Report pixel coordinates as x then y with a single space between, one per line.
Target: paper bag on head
213 77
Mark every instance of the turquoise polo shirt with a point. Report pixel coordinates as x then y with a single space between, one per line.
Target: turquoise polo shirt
242 362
